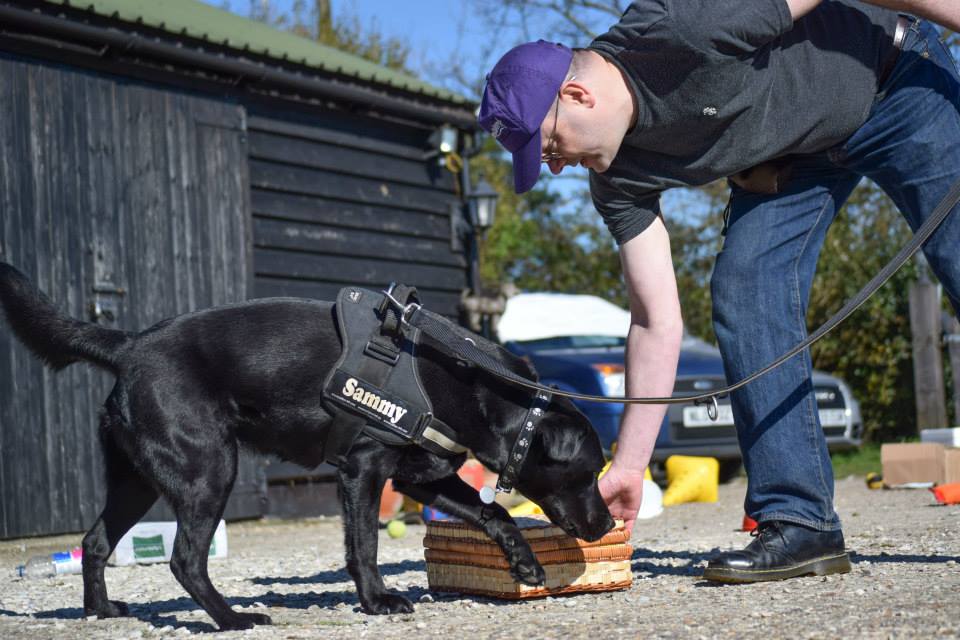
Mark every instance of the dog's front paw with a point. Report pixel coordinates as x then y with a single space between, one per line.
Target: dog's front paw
524 566
528 571
112 609
243 621
387 603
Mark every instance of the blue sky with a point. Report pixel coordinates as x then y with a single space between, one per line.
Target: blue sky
435 30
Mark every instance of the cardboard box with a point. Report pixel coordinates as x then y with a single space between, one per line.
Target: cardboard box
951 465
150 542
912 462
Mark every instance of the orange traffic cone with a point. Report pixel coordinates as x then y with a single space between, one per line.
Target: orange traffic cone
947 493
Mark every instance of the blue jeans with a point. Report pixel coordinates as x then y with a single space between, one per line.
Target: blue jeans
910 147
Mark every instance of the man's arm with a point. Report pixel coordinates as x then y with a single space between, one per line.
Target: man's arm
943 12
653 348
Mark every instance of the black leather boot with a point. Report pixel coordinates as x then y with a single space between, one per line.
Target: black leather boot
781 550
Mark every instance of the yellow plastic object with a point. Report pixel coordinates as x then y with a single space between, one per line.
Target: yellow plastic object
410 505
527 508
605 467
691 479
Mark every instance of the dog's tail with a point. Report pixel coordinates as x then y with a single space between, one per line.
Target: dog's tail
53 337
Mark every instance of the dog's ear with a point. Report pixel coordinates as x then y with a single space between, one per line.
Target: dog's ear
561 442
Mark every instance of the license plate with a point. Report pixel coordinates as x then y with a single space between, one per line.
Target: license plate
698 416
833 418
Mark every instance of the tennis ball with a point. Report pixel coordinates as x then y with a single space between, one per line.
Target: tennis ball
396 529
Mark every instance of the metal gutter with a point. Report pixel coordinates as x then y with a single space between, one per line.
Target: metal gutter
246 71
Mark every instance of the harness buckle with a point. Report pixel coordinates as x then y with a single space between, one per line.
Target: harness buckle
406 310
382 351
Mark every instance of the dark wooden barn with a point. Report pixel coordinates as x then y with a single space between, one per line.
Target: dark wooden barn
157 158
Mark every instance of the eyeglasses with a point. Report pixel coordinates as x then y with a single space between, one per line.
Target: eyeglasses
551 153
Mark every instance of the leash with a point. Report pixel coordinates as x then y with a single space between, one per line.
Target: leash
443 331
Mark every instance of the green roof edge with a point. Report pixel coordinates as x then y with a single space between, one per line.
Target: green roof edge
202 21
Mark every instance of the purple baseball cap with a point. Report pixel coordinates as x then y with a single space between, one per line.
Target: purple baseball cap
519 92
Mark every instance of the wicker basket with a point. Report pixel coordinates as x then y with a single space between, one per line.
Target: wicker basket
463 559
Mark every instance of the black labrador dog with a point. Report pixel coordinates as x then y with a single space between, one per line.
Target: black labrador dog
192 389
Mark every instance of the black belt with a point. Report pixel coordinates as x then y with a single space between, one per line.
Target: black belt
899 35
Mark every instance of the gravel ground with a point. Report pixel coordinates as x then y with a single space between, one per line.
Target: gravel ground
905 583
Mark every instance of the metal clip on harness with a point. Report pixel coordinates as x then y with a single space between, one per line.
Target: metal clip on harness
405 310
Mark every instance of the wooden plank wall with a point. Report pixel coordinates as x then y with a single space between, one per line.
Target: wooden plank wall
111 185
342 200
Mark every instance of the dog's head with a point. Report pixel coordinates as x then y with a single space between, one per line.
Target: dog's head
560 472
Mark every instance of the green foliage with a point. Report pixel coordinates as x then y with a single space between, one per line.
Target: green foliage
314 20
694 242
872 349
537 246
859 462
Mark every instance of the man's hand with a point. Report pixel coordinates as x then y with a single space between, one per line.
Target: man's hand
623 493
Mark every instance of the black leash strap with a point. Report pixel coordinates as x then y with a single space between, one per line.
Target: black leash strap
440 329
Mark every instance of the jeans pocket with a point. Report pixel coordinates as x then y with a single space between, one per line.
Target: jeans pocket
912 53
948 55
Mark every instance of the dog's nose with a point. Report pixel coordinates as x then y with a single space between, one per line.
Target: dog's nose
599 528
608 523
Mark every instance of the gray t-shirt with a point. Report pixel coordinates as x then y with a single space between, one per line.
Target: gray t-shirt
723 85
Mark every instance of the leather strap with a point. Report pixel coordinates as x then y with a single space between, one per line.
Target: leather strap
521 446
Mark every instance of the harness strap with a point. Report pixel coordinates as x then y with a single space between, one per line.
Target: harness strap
392 324
437 437
346 426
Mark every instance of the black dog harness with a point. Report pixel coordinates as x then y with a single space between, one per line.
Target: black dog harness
375 387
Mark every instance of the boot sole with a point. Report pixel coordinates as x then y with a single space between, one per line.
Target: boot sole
818 567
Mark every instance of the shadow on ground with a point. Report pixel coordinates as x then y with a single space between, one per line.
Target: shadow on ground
341 575
644 561
160 613
897 558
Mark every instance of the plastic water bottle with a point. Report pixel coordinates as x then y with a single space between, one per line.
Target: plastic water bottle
54 564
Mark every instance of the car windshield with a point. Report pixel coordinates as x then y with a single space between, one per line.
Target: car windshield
574 342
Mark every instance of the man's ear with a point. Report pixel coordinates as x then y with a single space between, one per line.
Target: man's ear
578 93
561 443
